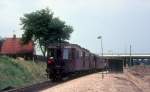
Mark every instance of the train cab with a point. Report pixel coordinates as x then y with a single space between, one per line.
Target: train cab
58 65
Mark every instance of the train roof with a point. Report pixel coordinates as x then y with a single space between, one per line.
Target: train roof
67 45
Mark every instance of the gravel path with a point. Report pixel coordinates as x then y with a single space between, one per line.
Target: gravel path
95 83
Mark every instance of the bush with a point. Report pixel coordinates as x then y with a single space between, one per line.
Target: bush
15 73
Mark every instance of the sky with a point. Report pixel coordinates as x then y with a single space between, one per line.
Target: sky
121 23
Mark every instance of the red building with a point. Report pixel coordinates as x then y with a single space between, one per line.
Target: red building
13 47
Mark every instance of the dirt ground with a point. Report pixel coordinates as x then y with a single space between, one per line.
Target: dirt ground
140 76
111 82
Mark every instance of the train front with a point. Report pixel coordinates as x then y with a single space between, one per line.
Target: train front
55 63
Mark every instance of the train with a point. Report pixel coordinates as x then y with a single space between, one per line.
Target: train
71 59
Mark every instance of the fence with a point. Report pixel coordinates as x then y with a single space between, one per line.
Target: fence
40 58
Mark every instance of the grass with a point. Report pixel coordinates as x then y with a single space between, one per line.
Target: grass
15 73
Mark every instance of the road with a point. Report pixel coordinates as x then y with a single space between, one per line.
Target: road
95 83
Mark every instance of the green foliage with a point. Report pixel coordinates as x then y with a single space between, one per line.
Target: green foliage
42 27
17 73
1 42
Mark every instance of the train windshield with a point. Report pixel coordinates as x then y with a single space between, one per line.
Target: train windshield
57 53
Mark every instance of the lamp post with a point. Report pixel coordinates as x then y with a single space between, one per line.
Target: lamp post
100 37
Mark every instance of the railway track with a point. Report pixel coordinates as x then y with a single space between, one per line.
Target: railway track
44 85
34 87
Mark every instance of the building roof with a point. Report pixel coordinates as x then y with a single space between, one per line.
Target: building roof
14 46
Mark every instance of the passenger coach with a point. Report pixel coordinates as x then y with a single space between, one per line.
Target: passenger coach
71 59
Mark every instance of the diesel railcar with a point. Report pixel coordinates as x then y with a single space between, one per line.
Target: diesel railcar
67 59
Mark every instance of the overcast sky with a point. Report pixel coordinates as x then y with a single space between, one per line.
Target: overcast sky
119 22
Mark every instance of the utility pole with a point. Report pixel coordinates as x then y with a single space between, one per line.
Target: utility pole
100 37
130 56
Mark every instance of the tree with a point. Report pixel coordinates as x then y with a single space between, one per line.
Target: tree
42 27
1 42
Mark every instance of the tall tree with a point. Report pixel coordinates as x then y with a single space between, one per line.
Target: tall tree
42 27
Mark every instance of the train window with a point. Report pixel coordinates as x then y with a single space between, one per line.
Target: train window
52 53
81 53
87 54
66 53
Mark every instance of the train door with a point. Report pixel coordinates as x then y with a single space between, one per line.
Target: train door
56 54
66 58
90 56
83 59
95 62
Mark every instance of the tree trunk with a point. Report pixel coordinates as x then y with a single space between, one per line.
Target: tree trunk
43 51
